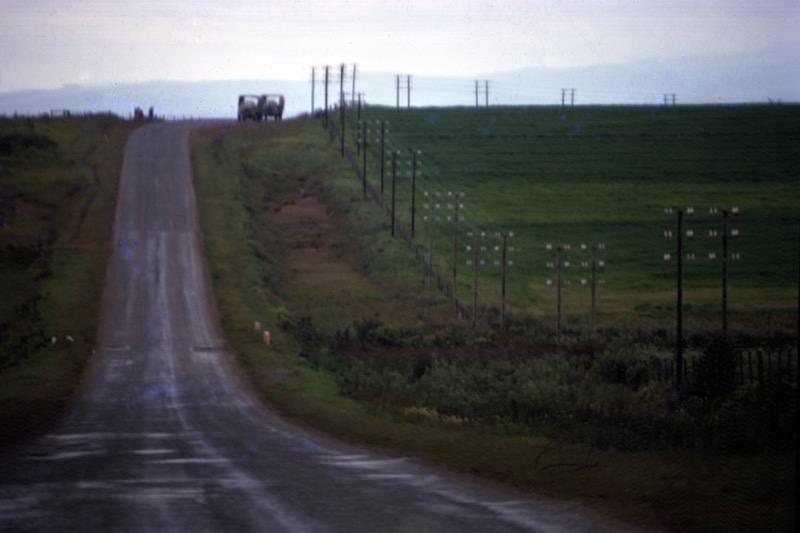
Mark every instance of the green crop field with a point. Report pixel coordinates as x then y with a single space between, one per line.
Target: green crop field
604 177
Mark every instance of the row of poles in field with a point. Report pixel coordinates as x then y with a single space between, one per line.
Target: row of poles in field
455 205
359 162
403 81
362 145
681 256
362 151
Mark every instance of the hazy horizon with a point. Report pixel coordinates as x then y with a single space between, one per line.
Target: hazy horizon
615 51
597 85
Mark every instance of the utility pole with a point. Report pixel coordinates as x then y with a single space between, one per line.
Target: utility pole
383 153
563 92
475 283
593 319
558 298
485 91
503 290
341 85
673 99
353 96
408 90
394 181
413 189
431 207
341 105
725 271
364 163
456 200
572 98
313 84
679 332
327 68
680 370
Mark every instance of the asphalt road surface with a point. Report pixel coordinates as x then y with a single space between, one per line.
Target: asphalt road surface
165 436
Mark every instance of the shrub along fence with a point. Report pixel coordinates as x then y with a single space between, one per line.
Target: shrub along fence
612 397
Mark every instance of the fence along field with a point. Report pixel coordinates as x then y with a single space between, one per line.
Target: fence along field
606 177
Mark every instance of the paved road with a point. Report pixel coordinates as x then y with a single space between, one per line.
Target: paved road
166 438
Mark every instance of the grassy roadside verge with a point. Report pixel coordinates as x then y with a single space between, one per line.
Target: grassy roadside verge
58 183
280 211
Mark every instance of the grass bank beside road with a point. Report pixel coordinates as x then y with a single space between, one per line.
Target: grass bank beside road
58 185
361 349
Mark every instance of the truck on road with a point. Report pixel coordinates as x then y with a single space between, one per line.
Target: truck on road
261 107
250 107
273 106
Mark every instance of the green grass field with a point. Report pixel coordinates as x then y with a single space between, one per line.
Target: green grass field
58 183
603 175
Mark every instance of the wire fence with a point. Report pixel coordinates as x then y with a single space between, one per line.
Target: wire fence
762 366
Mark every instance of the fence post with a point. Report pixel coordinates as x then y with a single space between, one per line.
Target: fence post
364 164
383 151
769 366
325 115
431 206
593 320
394 180
341 103
679 343
725 271
741 370
455 247
413 190
503 298
760 368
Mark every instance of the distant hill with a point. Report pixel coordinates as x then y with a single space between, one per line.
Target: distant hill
770 75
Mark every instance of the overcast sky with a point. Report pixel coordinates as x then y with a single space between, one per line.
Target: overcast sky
51 43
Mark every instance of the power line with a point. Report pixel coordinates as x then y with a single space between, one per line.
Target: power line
353 93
